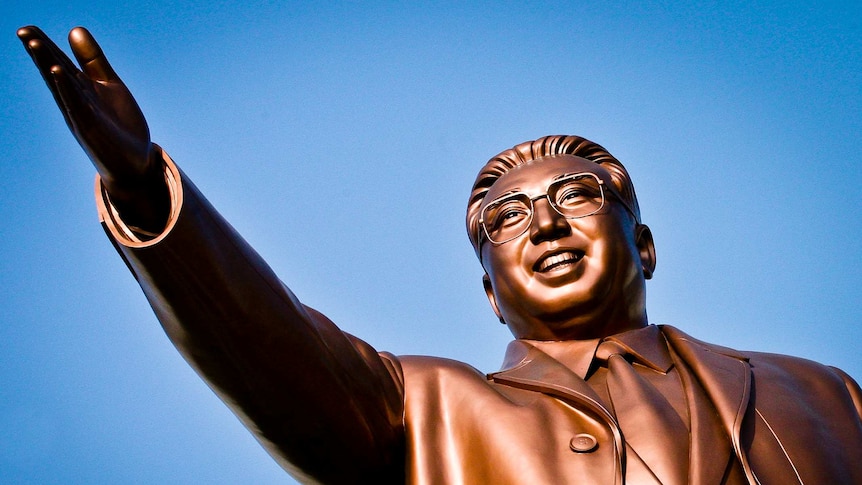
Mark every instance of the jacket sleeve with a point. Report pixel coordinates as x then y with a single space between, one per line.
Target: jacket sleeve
323 403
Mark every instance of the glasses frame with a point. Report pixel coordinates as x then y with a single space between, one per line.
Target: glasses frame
547 195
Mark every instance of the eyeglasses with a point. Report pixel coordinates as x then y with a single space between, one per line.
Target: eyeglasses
573 196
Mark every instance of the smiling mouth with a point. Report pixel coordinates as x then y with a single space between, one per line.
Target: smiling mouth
558 260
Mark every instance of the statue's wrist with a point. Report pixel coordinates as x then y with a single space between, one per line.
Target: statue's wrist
146 203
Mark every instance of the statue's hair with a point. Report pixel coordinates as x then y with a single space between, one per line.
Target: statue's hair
545 147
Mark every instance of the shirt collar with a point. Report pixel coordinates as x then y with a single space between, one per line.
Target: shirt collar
646 346
576 355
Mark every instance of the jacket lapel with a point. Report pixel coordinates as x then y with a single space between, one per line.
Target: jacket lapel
725 376
710 450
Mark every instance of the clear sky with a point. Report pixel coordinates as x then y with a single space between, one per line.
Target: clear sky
341 140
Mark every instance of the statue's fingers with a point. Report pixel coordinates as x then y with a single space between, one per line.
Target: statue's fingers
71 100
44 51
45 62
30 32
90 56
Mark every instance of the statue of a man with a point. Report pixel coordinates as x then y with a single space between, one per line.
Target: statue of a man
589 392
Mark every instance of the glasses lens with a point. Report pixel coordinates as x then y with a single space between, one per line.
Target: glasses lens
577 196
507 218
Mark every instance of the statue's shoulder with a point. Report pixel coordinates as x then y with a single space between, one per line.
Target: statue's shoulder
424 374
768 366
423 364
676 337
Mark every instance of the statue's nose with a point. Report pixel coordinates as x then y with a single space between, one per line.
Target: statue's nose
547 223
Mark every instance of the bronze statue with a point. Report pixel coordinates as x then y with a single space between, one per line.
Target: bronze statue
589 392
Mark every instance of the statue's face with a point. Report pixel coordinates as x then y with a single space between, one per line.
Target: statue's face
567 278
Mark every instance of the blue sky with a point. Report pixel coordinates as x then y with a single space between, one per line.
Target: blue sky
341 140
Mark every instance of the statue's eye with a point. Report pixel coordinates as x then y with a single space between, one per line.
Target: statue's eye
575 193
507 214
511 213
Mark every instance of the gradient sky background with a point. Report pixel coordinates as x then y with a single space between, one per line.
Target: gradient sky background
341 140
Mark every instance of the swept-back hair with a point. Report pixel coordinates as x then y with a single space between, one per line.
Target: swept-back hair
545 147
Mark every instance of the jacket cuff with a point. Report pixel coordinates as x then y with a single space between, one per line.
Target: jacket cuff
131 236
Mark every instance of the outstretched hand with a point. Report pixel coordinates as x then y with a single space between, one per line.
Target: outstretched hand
107 122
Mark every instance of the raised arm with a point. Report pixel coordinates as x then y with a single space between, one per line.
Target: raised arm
324 403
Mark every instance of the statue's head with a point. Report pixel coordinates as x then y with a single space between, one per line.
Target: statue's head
556 225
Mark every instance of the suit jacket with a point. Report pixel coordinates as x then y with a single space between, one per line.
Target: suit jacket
331 409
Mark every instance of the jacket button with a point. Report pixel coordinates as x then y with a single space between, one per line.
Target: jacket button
583 443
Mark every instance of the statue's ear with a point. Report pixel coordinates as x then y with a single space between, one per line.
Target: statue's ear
492 299
646 249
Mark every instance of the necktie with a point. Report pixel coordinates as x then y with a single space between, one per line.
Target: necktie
649 423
